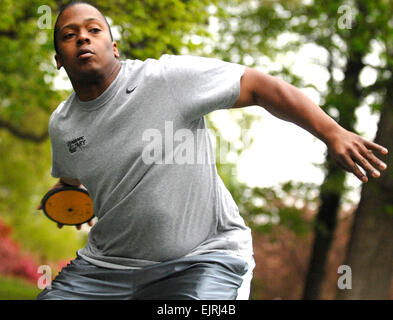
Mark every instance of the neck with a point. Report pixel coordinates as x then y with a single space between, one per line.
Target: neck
90 89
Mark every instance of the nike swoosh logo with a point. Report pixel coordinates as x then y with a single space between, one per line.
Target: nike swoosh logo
130 89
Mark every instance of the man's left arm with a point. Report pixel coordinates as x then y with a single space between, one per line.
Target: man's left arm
288 103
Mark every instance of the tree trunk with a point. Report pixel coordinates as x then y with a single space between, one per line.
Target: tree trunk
331 189
325 225
370 251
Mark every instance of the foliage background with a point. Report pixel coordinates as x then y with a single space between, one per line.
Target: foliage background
148 28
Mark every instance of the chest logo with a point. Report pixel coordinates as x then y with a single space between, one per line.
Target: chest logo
73 145
130 89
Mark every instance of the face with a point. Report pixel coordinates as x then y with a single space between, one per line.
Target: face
85 46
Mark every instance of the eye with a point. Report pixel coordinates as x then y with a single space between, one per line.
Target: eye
95 30
68 35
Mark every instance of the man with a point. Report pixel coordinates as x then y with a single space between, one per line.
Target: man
167 226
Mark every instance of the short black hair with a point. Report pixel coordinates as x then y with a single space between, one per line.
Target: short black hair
56 28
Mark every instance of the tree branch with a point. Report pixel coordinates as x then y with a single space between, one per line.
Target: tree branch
8 33
23 135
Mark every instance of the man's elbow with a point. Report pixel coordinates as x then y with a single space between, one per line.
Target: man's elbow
247 96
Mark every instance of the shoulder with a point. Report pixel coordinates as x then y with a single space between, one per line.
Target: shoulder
170 62
149 67
56 112
184 60
190 64
60 112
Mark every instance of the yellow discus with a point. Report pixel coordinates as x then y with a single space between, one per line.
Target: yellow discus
68 205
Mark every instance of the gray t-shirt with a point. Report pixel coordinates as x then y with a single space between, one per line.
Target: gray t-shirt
143 151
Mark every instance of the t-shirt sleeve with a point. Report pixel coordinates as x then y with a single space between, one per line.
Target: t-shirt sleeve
201 85
56 169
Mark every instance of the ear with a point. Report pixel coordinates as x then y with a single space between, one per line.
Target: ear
115 50
59 63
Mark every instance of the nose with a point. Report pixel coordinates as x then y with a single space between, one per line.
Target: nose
83 37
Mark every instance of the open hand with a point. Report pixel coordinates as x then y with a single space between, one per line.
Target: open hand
350 150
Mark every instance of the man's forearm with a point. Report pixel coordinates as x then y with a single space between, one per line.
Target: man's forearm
290 104
286 102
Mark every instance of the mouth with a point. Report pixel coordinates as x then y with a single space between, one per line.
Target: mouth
84 54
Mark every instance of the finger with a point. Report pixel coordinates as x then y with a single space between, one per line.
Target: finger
78 226
90 223
59 225
369 155
376 147
349 165
362 161
39 207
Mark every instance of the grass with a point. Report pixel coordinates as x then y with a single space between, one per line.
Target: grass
17 289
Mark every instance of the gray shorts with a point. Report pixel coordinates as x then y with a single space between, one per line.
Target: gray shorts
211 276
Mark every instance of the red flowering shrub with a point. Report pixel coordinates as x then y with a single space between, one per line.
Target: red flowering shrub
14 262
